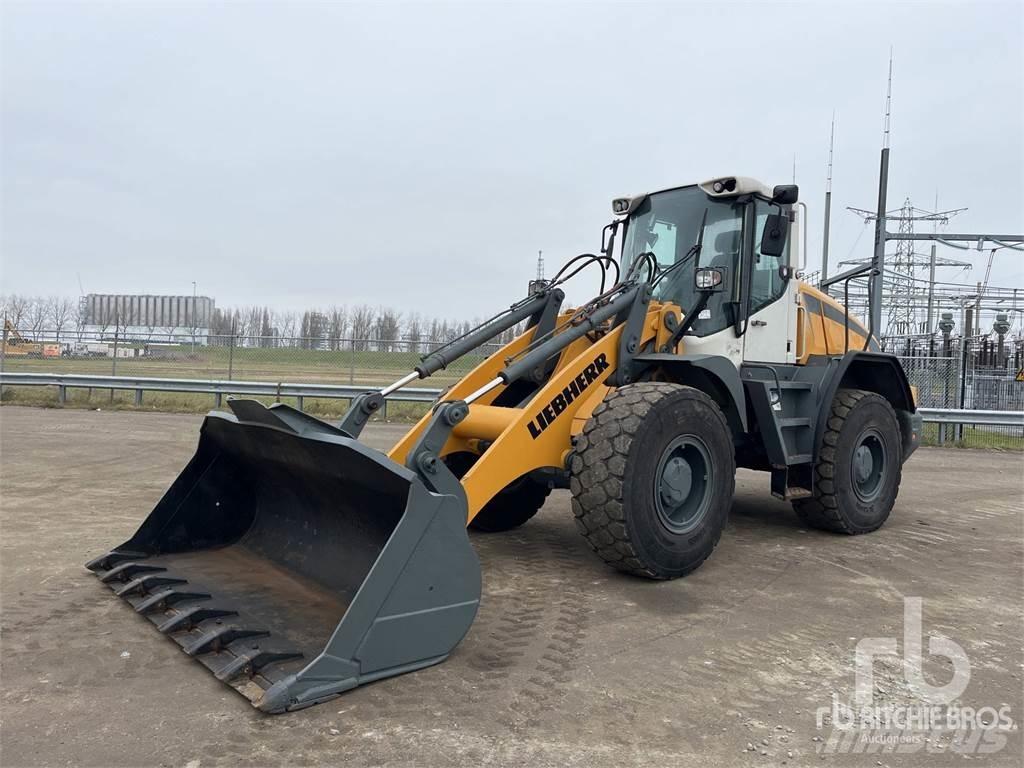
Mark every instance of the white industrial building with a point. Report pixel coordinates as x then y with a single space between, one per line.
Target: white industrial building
145 316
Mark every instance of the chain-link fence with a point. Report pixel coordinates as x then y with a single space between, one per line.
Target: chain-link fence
369 362
979 373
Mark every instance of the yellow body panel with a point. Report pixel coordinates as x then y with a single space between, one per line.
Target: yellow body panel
519 449
820 326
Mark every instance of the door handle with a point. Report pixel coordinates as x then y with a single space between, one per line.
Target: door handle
758 323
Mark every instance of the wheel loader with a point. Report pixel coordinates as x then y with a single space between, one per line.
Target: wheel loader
296 562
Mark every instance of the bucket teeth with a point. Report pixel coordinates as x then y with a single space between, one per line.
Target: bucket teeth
249 664
144 585
109 560
217 639
161 601
190 617
126 571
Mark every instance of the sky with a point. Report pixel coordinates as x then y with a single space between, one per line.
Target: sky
418 155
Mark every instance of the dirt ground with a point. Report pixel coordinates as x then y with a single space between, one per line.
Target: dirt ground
568 663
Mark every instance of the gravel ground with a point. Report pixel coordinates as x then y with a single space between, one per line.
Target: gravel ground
568 663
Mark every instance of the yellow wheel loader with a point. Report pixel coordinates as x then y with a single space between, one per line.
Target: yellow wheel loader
296 563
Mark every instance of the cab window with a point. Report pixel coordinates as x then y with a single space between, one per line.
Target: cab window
767 283
668 225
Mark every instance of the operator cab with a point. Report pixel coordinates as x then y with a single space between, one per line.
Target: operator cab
719 223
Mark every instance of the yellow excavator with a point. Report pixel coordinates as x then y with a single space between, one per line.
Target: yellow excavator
296 562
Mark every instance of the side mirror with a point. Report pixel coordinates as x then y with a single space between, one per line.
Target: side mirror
709 279
773 239
786 194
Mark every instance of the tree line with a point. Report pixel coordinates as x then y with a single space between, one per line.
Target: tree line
336 327
339 326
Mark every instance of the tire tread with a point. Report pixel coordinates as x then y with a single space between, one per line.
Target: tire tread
821 510
597 474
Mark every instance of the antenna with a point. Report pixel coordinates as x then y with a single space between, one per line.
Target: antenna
794 167
828 200
888 105
831 145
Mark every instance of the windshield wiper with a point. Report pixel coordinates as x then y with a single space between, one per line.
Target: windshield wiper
694 252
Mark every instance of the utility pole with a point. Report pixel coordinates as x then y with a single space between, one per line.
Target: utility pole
877 280
193 317
931 274
828 201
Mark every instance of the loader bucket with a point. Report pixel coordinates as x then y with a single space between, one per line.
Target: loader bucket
296 563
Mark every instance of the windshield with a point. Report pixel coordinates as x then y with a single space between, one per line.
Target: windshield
667 224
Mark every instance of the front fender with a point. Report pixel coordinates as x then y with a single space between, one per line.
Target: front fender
714 375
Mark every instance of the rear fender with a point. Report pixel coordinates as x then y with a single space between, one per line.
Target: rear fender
877 372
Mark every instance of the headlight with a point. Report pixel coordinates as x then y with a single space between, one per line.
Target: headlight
708 279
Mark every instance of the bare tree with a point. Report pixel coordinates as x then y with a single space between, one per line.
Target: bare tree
122 321
266 329
15 308
288 320
387 328
38 312
254 322
78 317
414 331
362 325
314 329
435 335
337 325
60 310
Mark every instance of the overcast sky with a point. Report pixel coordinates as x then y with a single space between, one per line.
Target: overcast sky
418 155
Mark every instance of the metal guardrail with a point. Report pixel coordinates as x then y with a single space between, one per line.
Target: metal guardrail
968 416
215 387
220 388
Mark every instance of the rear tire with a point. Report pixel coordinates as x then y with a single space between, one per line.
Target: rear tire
859 468
514 505
652 479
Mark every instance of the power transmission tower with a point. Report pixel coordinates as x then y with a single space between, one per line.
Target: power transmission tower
900 274
540 265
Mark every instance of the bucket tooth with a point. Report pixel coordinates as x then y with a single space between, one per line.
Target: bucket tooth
217 639
127 571
250 663
143 585
190 617
161 601
109 560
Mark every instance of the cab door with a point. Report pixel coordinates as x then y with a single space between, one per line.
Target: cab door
771 294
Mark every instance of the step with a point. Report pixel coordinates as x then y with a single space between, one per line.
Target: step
796 385
799 458
796 421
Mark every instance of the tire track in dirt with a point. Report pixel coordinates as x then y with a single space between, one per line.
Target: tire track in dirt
525 643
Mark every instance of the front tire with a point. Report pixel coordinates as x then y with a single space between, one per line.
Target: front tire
652 479
859 468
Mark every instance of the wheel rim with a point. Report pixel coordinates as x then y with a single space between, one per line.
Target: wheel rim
867 469
682 484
